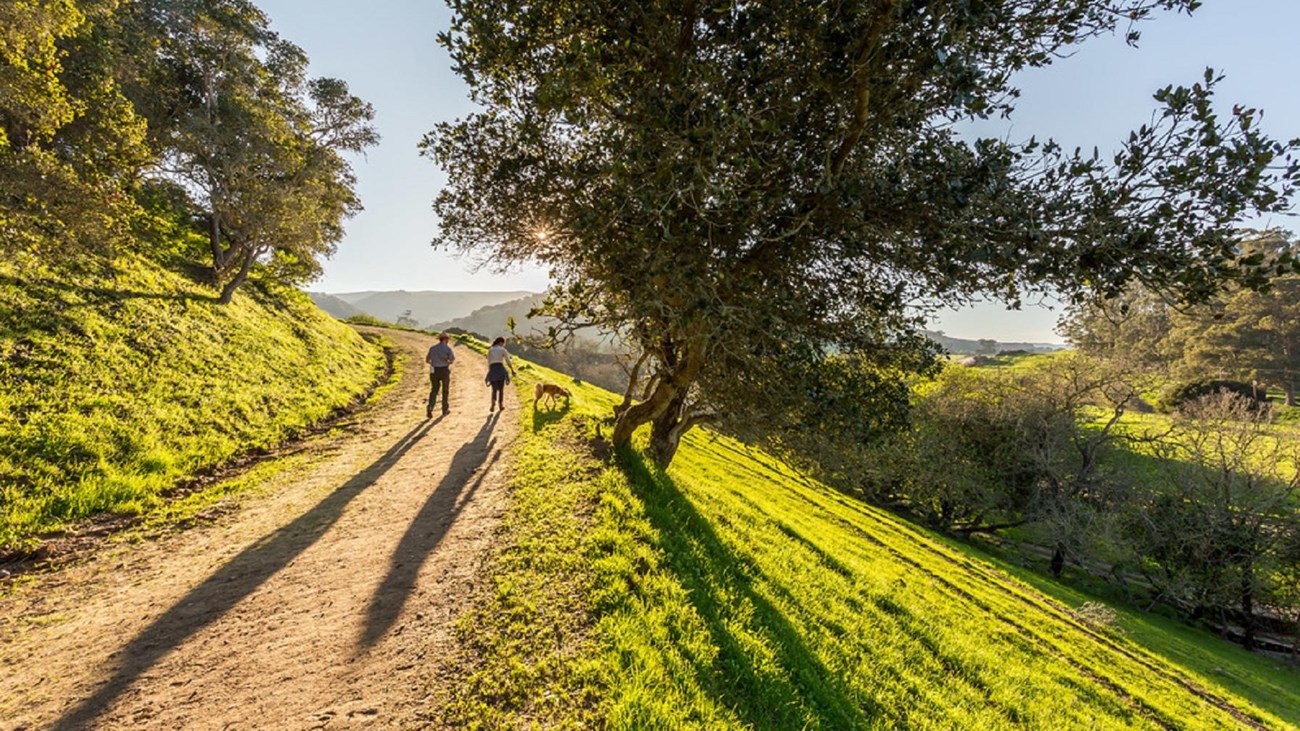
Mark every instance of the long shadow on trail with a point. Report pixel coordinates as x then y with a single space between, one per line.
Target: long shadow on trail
428 528
795 691
238 578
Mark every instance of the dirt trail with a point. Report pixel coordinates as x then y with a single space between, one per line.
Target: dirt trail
326 602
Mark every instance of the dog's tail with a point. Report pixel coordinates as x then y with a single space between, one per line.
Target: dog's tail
537 393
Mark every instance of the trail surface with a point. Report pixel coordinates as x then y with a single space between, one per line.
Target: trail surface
326 601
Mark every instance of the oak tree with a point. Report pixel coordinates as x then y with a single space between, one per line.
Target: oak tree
235 119
71 144
757 187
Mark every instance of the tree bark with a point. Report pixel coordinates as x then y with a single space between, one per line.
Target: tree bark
218 254
228 290
1290 393
663 408
1057 564
1248 607
664 432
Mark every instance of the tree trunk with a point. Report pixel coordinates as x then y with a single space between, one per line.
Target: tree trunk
663 408
218 254
1248 607
665 432
1057 564
647 411
1289 387
228 290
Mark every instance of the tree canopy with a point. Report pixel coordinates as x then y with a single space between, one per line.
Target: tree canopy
236 121
100 99
71 144
760 187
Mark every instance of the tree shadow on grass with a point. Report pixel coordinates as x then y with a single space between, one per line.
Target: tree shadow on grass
469 466
94 296
800 692
231 583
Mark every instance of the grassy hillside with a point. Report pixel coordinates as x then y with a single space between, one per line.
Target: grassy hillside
731 592
117 381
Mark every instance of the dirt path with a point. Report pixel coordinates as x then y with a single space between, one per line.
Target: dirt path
327 602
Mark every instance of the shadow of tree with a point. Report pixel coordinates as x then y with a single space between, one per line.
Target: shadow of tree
95 296
234 581
795 691
428 528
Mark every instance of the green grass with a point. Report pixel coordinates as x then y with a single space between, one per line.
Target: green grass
120 380
732 592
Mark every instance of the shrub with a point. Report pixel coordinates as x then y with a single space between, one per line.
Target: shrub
1099 617
1198 390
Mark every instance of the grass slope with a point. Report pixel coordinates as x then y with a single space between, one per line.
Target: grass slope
119 380
731 592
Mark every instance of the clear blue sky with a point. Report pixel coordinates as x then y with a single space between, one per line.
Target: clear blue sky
385 49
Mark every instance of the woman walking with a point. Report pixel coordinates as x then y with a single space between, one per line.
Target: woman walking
498 362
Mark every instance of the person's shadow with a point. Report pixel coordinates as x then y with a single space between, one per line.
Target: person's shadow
231 583
468 468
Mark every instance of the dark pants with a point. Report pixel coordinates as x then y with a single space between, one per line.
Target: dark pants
496 376
439 377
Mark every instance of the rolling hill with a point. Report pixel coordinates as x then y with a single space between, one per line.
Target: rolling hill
491 320
425 307
733 592
962 346
333 306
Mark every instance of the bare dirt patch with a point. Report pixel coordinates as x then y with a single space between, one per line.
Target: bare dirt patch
327 602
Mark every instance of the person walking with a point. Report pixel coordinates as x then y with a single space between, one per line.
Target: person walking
439 359
498 361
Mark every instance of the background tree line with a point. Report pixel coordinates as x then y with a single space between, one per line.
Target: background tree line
112 110
1244 334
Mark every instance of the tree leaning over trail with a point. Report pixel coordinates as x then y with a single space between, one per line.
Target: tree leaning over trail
753 187
259 146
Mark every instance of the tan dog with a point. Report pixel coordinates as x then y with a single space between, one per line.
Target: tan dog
549 392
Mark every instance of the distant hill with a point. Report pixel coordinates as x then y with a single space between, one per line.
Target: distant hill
490 321
334 306
962 346
426 307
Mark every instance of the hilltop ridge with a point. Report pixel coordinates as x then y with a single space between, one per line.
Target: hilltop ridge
426 307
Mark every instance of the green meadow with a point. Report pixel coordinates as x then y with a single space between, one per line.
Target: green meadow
120 380
732 592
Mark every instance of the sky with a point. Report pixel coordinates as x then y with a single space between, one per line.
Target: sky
387 52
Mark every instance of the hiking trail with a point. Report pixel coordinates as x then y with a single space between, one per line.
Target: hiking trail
326 600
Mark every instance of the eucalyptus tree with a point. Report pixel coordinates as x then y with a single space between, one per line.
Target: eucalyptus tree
1243 332
757 187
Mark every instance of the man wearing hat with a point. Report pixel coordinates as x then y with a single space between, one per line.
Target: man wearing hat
439 359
